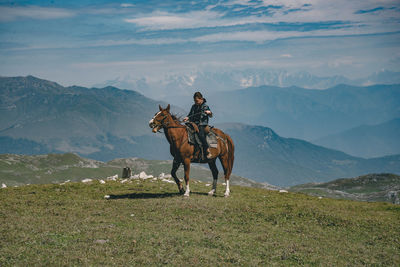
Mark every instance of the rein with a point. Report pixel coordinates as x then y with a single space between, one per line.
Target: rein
195 114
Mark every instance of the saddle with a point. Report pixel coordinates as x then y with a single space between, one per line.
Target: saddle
194 139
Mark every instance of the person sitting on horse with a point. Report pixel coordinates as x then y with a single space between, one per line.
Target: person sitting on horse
199 114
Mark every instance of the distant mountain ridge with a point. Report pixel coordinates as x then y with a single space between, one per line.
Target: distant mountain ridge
366 140
174 87
263 155
308 114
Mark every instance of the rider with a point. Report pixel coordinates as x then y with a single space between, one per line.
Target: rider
199 114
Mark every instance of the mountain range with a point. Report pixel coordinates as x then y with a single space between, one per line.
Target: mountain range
39 116
263 155
366 140
308 114
208 81
47 117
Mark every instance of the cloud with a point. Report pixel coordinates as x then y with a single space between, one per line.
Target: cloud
242 12
264 36
127 5
164 20
34 12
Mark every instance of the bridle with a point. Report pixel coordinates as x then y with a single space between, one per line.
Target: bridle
162 125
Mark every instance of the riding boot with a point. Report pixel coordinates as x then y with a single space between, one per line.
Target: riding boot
206 151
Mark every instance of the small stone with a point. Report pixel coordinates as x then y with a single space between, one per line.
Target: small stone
107 196
86 180
3 186
102 181
283 191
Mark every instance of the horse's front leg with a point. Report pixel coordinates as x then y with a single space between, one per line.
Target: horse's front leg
175 167
214 171
186 164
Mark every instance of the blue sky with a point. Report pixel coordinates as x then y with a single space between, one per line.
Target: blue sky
87 42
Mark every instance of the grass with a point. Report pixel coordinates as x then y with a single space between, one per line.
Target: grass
148 223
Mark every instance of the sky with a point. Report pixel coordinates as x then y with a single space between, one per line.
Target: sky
87 42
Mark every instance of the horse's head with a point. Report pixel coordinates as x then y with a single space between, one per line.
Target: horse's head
158 121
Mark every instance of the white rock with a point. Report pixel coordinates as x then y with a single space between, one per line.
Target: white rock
112 178
3 186
168 176
162 175
319 197
124 181
207 184
107 196
132 215
102 181
283 191
136 176
86 180
168 181
143 175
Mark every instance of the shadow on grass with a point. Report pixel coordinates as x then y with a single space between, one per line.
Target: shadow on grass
152 195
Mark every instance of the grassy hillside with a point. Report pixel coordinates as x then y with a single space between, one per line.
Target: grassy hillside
147 223
371 187
57 168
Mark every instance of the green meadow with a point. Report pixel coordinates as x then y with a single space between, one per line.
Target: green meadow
146 222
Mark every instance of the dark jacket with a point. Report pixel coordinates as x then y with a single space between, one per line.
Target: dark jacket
197 113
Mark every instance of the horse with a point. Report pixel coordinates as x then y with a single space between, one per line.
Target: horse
184 153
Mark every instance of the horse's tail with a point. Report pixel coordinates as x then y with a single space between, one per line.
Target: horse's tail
231 154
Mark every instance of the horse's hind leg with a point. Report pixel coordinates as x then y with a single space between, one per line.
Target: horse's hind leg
186 165
227 173
175 167
214 171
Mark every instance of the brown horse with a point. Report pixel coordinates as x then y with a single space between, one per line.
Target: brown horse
184 152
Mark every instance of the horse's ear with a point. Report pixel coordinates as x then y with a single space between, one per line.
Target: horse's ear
168 107
160 107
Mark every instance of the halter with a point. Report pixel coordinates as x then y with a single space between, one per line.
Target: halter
166 125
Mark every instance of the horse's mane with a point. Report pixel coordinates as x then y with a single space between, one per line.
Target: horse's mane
176 118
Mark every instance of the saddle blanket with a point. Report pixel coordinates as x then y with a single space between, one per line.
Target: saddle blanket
194 139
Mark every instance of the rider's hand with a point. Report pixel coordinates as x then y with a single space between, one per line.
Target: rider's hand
208 112
185 119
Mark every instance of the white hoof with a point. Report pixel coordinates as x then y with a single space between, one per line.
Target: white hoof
226 194
186 194
211 193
